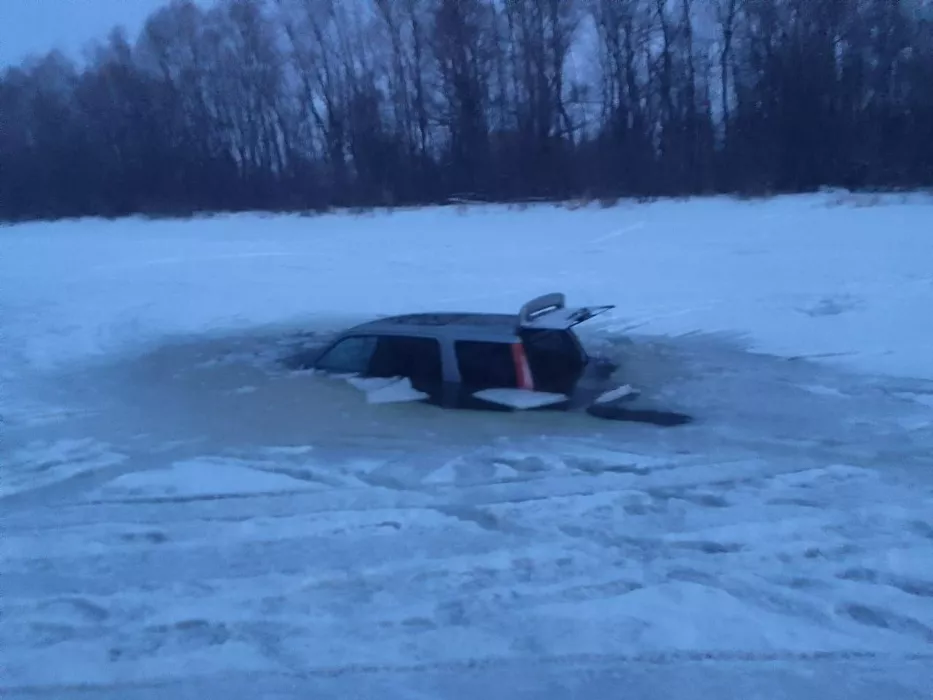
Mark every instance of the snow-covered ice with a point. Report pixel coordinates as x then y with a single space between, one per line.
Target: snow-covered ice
186 513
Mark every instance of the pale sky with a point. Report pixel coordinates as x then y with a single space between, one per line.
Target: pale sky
38 26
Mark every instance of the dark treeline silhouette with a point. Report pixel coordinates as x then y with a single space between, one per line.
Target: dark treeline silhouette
309 104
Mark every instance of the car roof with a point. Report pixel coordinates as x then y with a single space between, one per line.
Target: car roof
445 324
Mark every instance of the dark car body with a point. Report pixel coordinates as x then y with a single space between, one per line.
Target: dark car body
532 359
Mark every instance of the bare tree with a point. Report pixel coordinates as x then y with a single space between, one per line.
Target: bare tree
726 15
624 30
540 34
463 61
311 27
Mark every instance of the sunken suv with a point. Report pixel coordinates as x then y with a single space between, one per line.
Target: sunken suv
529 360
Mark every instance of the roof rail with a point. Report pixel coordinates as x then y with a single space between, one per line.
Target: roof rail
546 303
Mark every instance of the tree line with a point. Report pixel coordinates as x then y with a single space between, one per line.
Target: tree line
311 104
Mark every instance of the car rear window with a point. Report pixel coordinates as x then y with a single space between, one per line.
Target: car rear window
485 365
555 358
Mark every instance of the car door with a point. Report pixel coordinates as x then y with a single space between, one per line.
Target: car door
483 365
416 358
366 357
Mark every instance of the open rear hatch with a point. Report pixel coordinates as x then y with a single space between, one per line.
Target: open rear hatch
550 312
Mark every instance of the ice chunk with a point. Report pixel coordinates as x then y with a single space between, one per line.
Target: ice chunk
520 398
622 392
214 476
387 389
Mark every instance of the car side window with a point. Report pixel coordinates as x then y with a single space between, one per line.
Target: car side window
352 355
419 359
485 365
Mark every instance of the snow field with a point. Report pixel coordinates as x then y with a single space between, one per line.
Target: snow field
797 274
